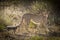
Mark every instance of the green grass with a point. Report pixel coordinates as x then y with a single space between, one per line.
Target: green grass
53 38
32 25
44 38
37 38
2 26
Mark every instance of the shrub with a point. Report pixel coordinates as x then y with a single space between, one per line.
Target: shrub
4 21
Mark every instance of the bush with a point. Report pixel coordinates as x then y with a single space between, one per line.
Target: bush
4 21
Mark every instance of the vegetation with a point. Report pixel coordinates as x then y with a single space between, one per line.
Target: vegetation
53 38
4 21
44 38
37 38
2 26
7 19
32 25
